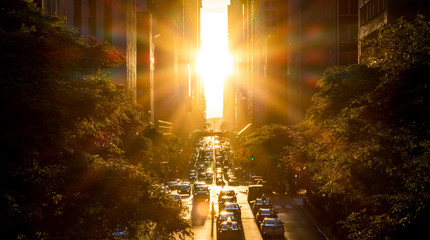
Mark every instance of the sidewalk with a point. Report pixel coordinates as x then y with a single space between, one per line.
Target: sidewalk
324 229
298 201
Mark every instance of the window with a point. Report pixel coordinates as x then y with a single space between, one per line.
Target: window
108 20
92 17
77 13
353 6
343 7
343 33
413 2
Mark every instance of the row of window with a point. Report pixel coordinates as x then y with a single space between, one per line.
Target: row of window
348 7
92 17
418 3
371 9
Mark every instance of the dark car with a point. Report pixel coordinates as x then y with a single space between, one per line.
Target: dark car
227 192
185 189
229 230
272 227
261 203
201 193
232 181
220 182
224 216
265 213
254 192
223 200
234 208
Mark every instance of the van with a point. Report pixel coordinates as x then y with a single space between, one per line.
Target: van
255 191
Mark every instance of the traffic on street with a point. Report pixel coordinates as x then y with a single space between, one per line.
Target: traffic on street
221 205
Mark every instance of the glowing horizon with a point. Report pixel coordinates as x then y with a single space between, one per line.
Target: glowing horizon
214 60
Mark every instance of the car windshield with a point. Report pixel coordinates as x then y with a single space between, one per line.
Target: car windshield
274 221
227 193
201 189
267 212
231 206
232 226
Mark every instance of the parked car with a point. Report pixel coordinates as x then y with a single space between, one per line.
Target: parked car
229 230
265 213
272 227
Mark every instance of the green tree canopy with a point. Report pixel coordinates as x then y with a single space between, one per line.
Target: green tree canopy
365 139
71 139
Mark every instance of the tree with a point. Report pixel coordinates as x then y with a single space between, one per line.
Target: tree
364 141
71 139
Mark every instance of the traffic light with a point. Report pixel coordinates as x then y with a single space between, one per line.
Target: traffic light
252 157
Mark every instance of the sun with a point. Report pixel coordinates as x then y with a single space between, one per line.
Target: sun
214 66
214 62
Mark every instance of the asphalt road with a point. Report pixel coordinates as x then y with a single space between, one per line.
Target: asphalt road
297 224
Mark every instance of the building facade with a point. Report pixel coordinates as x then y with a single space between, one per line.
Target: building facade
374 14
321 34
159 40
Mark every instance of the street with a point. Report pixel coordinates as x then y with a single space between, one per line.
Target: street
297 224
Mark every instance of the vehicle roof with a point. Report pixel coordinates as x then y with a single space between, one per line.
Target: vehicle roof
227 191
232 225
272 221
231 206
224 213
266 210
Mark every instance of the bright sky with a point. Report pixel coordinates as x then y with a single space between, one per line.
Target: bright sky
214 62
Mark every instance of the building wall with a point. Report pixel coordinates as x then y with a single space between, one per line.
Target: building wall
101 20
159 45
374 14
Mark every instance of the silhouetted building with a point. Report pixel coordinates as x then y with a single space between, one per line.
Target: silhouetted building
159 40
321 34
257 38
374 14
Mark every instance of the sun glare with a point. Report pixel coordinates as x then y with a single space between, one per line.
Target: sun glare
214 62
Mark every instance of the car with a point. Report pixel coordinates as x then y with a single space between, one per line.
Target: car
227 192
254 192
224 216
164 188
201 193
220 182
229 230
172 184
232 181
272 227
261 203
185 189
223 200
234 208
197 184
176 198
265 213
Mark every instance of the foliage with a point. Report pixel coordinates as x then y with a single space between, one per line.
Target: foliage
264 145
364 142
72 140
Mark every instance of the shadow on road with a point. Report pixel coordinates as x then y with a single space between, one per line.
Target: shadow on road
199 213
